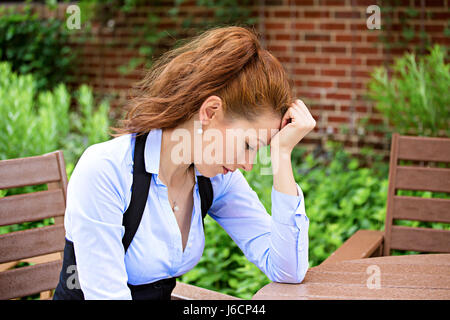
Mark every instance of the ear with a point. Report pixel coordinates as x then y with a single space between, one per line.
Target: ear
210 110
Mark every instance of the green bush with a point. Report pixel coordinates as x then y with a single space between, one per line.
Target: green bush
34 126
38 46
414 99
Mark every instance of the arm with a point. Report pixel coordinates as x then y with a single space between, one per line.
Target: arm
94 213
295 124
277 244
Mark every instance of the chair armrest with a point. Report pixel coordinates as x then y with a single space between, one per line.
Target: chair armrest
362 244
183 291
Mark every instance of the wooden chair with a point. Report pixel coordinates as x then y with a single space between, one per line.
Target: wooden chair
44 246
370 243
41 246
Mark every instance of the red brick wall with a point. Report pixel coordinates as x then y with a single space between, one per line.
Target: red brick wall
324 45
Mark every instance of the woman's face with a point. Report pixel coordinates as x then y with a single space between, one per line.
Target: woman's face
226 145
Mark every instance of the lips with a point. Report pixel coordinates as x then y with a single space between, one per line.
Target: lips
225 170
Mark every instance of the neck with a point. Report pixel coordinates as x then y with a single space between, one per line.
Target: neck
172 171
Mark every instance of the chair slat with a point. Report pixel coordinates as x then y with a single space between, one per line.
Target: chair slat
31 206
29 171
29 280
421 209
420 178
424 149
420 239
31 242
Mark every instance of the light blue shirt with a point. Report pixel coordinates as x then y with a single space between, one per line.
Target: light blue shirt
99 192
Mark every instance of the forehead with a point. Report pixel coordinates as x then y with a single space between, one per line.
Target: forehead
263 127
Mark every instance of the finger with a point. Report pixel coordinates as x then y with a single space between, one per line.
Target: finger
302 106
286 118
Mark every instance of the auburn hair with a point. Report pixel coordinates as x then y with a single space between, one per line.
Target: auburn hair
228 62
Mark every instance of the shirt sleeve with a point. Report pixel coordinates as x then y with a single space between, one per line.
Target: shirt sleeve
277 244
94 212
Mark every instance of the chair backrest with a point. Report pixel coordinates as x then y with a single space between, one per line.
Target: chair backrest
423 178
37 243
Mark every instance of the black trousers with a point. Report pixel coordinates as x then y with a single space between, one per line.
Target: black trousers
159 290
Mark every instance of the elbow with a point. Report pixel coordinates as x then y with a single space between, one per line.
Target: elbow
291 278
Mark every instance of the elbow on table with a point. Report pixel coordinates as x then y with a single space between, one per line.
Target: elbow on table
290 278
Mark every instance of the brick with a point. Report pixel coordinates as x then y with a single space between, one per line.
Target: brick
304 49
304 71
329 49
333 2
339 119
339 96
374 62
277 48
362 26
287 36
317 37
440 15
361 109
430 3
332 26
316 14
362 74
317 60
308 94
372 38
348 38
299 83
303 2
334 73
284 14
320 84
365 50
275 26
348 61
304 26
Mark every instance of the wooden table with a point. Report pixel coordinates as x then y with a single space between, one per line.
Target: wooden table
423 276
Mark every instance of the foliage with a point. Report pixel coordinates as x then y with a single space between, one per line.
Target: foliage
33 45
32 126
414 99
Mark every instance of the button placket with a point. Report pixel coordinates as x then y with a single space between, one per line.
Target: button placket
176 258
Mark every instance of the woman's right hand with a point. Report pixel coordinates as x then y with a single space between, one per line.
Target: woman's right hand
296 123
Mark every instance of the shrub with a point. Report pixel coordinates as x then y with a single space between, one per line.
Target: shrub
33 45
414 99
32 126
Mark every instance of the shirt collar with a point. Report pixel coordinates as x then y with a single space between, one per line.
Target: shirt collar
152 152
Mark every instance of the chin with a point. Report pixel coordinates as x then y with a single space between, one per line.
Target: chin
211 172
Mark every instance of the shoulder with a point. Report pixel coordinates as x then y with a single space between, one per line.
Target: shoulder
116 153
105 161
225 183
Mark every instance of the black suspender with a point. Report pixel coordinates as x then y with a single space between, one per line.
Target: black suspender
140 188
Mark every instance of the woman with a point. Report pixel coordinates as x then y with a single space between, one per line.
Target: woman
135 204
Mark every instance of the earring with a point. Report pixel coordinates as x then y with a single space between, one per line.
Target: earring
200 130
